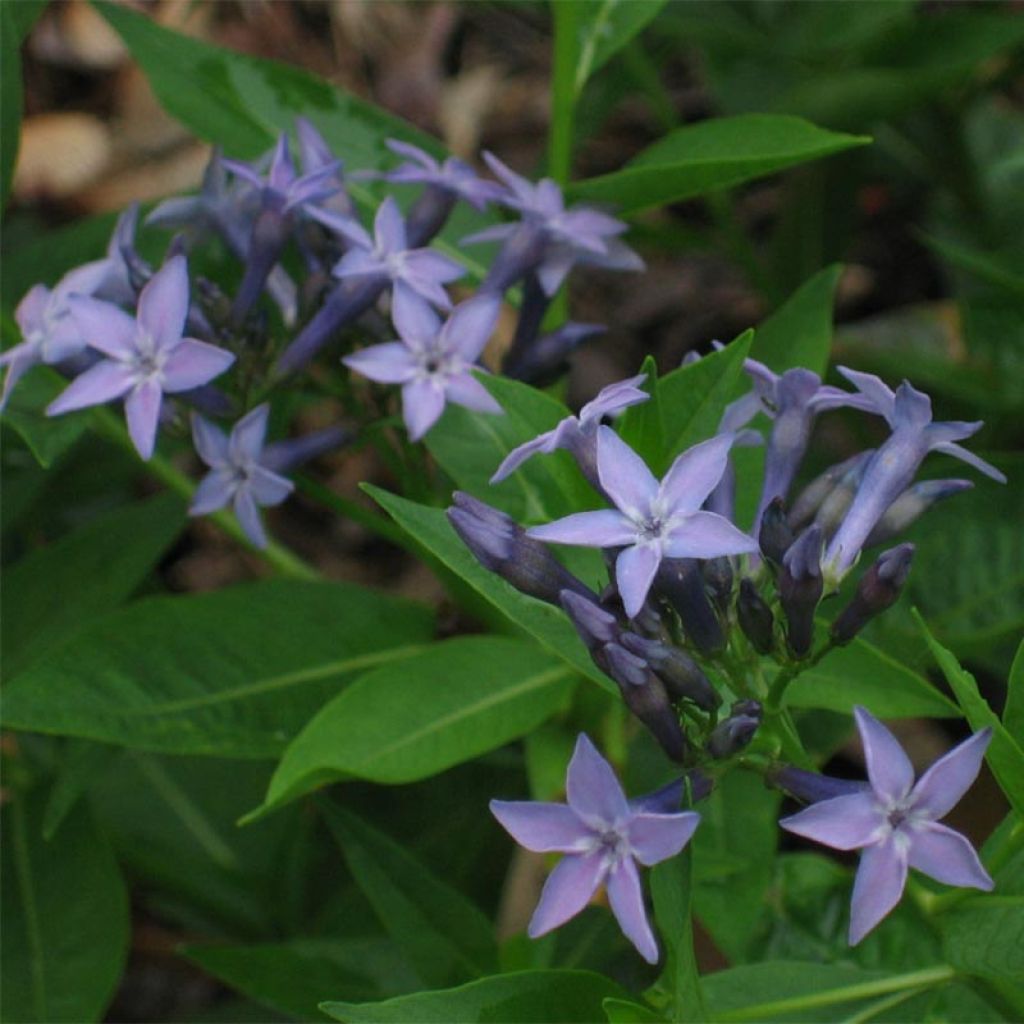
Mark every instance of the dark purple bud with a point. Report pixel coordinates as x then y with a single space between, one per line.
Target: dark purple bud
811 497
532 309
911 505
800 589
269 237
428 215
547 356
719 579
669 798
755 618
522 253
680 583
595 626
810 787
776 535
624 667
677 670
735 733
284 456
879 588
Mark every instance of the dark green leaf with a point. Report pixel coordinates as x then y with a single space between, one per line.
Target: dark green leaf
713 155
65 917
1013 713
15 22
621 1011
607 27
235 673
641 426
57 589
442 933
985 937
525 997
450 703
47 437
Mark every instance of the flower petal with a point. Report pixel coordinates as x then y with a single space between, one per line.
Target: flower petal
163 303
389 228
592 789
215 490
18 360
542 827
567 891
843 822
656 837
422 405
246 442
889 768
961 453
518 455
391 363
635 569
939 790
695 474
193 363
249 517
945 855
875 389
100 383
470 326
103 326
414 318
142 410
707 535
211 442
465 390
267 487
624 475
29 312
626 899
604 528
877 888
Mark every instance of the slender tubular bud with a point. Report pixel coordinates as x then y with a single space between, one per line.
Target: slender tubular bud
735 733
879 588
679 582
269 237
755 618
719 579
285 456
811 497
669 798
548 353
428 215
800 589
911 505
521 254
595 626
677 670
838 501
810 787
534 306
775 536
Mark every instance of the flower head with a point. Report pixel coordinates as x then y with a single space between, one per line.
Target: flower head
896 822
146 355
652 520
453 175
238 473
433 362
603 836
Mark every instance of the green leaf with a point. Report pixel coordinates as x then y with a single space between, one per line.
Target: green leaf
672 891
65 917
236 673
545 623
608 26
447 704
292 977
622 1011
471 445
641 426
985 937
799 332
1013 712
711 156
861 673
15 22
442 933
522 997
56 589
47 437
1004 756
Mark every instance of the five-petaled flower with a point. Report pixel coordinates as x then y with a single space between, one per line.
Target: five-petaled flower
238 473
433 362
603 836
895 822
652 520
147 356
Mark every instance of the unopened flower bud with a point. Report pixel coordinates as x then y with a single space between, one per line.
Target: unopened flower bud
718 578
755 618
911 505
800 589
669 798
838 501
546 355
679 582
879 588
677 670
811 497
775 536
810 787
736 732
595 626
285 456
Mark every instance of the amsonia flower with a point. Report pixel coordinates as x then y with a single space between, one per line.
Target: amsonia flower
147 356
652 520
238 473
603 836
574 429
896 822
433 362
453 175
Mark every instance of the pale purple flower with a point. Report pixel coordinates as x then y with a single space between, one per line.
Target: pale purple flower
238 473
652 520
896 823
433 362
453 175
316 155
147 356
414 273
603 836
892 467
573 430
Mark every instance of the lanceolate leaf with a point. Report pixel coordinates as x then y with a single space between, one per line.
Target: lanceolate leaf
607 27
1013 713
236 673
985 937
47 437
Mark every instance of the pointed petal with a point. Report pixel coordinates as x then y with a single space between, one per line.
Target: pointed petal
656 837
193 363
520 186
635 569
604 528
958 452
555 268
542 827
389 228
100 383
414 318
29 312
342 224
592 789
103 326
142 410
83 280
430 265
244 171
707 535
614 399
249 517
470 326
267 487
465 390
939 790
282 171
18 360
626 899
695 474
877 888
413 153
211 442
215 490
497 233
844 822
875 389
912 409
359 263
246 442
516 457
391 363
567 891
624 475
947 856
163 303
422 405
889 768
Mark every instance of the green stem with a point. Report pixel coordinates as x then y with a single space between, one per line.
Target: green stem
23 870
786 675
274 554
